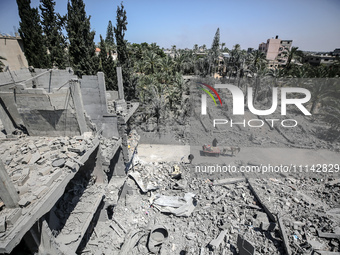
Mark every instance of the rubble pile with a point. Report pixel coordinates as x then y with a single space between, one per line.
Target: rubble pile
308 216
200 216
109 147
35 163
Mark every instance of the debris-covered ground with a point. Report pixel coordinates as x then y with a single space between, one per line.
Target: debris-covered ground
199 215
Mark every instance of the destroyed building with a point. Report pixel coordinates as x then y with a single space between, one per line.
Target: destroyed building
73 183
65 144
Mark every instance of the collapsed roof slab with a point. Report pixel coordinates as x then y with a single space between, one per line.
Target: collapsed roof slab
45 192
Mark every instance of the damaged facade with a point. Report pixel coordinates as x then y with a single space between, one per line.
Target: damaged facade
65 143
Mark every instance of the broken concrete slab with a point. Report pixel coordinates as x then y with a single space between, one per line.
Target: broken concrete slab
13 216
216 242
58 162
284 235
2 223
35 157
139 181
176 205
229 181
244 246
328 235
23 202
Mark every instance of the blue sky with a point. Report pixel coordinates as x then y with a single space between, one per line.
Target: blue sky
313 25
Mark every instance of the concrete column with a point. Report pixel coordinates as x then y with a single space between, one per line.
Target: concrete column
78 105
8 193
6 121
122 134
102 91
120 83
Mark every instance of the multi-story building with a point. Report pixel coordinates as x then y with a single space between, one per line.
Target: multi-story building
319 58
276 51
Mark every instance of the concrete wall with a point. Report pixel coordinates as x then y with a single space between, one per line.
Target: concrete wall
12 49
53 80
44 108
48 114
94 98
7 79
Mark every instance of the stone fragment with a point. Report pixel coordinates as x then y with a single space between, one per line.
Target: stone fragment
35 157
24 176
58 162
2 223
45 171
40 191
13 216
23 202
70 164
27 158
244 247
216 242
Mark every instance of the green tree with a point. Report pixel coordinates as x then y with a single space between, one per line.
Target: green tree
129 81
82 47
52 24
1 64
151 62
109 40
31 34
107 66
293 52
215 47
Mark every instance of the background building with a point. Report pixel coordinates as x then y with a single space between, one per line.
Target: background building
276 51
12 49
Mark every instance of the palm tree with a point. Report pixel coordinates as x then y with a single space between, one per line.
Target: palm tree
151 61
291 53
222 46
322 90
2 64
166 65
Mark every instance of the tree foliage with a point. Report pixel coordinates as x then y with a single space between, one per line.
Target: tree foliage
129 81
31 34
82 47
109 39
52 24
107 65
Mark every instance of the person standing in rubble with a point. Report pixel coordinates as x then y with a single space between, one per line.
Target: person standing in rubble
214 142
190 158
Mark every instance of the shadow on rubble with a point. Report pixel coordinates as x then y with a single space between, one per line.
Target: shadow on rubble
72 195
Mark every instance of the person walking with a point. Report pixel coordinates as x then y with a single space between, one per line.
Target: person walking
214 142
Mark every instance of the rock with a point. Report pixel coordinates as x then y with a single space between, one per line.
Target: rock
58 162
35 157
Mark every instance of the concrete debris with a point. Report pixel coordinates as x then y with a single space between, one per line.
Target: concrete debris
216 242
176 205
244 247
98 196
12 216
158 235
2 223
138 179
58 162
